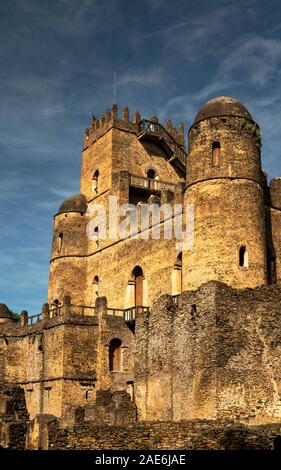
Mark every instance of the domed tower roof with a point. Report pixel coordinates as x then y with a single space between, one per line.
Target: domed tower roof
222 106
76 203
5 312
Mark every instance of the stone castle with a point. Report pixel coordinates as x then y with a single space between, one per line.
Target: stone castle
144 344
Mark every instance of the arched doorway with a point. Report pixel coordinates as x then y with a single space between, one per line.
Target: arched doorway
115 354
138 282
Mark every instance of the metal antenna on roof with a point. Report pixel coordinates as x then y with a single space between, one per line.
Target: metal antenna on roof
114 86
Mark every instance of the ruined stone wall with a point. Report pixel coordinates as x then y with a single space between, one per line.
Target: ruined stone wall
55 361
13 417
112 326
214 354
187 435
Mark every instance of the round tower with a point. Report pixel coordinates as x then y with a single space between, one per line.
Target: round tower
69 250
5 314
225 185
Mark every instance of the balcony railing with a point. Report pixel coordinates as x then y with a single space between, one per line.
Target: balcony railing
176 150
34 319
55 311
131 312
84 310
117 312
150 184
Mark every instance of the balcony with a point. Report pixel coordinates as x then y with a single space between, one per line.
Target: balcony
154 131
150 184
129 314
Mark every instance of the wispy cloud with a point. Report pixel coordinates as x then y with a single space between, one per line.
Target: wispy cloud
144 77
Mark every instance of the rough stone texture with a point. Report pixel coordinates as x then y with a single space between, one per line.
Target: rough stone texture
111 408
186 435
13 417
62 361
215 354
218 238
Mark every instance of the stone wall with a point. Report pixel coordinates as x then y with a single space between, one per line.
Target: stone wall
62 361
186 435
45 359
214 354
13 417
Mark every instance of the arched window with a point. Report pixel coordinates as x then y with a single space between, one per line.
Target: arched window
115 355
243 257
216 150
177 276
138 278
151 174
60 242
96 287
95 182
152 177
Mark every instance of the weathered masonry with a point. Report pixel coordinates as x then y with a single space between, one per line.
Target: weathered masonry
143 338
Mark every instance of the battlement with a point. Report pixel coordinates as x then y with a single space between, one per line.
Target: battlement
99 126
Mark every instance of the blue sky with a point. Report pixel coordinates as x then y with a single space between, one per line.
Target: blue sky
57 61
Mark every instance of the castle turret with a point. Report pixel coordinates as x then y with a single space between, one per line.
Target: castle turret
5 314
225 184
68 261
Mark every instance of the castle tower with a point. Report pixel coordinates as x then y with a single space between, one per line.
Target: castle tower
225 184
68 265
124 161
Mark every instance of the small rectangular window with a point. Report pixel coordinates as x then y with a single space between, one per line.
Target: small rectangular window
216 149
243 257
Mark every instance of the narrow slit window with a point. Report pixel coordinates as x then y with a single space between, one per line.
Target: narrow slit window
95 182
96 286
216 152
60 242
243 257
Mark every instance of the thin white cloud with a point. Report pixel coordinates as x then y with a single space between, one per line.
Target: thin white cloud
143 77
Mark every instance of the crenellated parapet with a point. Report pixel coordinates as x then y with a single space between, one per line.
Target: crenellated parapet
99 126
128 122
